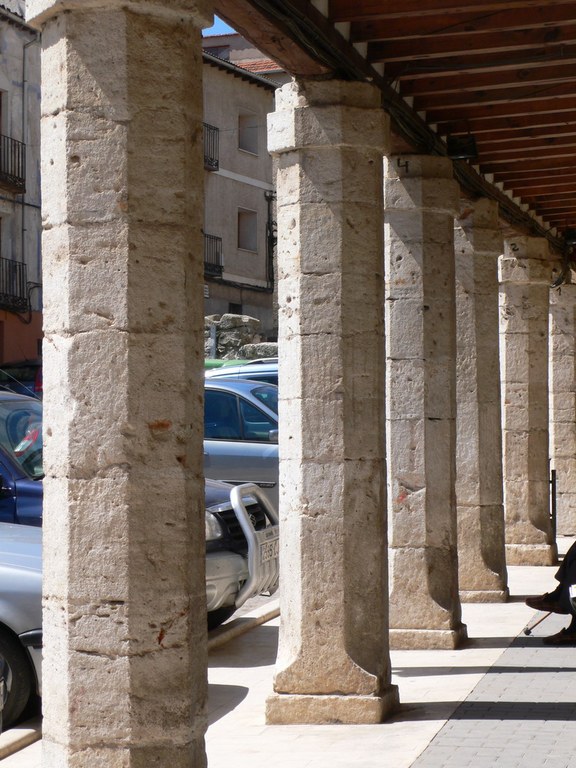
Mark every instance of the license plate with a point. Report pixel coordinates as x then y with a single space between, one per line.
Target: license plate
269 550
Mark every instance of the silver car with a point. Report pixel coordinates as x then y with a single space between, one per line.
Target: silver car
241 433
265 369
241 562
20 615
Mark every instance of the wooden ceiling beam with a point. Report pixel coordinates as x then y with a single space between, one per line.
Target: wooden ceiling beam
507 94
535 121
487 43
453 23
526 168
514 136
473 64
548 210
526 144
530 187
344 10
556 106
559 72
516 180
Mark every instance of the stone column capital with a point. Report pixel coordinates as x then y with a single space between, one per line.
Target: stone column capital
477 229
423 182
311 113
526 260
38 12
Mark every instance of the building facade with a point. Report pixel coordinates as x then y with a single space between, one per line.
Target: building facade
239 228
20 220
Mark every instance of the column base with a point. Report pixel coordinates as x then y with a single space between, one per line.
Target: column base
427 639
294 709
484 595
531 554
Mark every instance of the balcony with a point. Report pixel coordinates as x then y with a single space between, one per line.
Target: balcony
12 165
13 286
213 266
211 147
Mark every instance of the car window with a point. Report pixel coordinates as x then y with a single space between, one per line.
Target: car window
221 416
21 434
267 395
256 424
269 378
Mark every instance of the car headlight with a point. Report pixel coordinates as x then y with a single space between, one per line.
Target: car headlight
213 527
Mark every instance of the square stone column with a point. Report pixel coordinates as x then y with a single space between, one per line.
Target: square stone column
525 276
479 490
333 661
421 199
124 681
563 404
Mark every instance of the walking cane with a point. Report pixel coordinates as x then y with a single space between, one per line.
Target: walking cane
528 630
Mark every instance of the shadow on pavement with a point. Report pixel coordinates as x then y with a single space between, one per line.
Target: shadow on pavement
222 699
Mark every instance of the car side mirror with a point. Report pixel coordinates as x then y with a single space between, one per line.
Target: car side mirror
273 435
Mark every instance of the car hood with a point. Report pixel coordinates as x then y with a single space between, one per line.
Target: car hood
217 492
21 547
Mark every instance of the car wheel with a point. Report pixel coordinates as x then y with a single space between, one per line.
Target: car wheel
217 617
18 682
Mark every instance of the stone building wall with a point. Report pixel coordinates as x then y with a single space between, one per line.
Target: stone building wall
231 337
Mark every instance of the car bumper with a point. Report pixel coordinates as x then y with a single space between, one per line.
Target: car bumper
226 572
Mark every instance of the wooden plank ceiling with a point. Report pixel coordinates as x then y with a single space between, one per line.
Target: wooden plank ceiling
502 72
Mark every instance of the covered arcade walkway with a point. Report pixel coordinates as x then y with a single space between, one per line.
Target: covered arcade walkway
426 224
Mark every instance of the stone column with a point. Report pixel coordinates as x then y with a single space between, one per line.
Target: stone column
480 512
421 200
333 659
563 404
525 276
124 620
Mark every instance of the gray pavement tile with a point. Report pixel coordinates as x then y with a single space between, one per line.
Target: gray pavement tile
521 713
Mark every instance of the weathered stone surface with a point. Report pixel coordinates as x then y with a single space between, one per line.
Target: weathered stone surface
124 622
354 710
420 198
563 404
525 273
479 485
333 661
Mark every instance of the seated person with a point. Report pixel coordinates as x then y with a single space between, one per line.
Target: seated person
558 601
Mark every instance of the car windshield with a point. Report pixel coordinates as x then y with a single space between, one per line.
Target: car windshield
268 395
21 434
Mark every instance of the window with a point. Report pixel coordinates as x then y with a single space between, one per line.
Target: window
247 230
221 417
257 426
227 417
234 309
248 133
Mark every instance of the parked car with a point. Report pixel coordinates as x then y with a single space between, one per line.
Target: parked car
23 377
240 444
265 369
241 562
20 616
241 433
20 459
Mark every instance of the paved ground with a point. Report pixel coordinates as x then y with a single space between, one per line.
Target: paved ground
504 700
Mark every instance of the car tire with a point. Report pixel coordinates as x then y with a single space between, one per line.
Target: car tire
219 616
18 685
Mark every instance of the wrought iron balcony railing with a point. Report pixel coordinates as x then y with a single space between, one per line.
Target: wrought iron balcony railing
213 266
13 286
12 164
211 147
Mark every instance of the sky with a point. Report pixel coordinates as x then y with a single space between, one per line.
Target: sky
219 28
